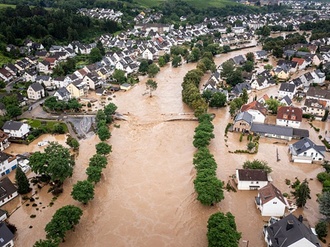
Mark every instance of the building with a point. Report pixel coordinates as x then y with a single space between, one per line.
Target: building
77 88
289 116
270 201
35 91
16 129
242 122
8 163
62 94
250 179
306 151
315 107
257 110
4 143
290 232
6 236
287 89
7 191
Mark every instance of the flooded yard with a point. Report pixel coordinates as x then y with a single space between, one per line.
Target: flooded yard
146 196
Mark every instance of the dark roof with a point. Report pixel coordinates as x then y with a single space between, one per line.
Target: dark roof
288 231
5 234
63 92
287 87
260 128
318 93
252 175
4 156
305 144
36 87
6 188
12 125
2 212
287 100
269 192
245 116
301 133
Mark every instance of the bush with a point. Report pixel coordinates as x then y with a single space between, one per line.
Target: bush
241 137
287 181
323 176
321 229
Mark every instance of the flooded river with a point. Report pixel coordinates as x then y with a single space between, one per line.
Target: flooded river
146 196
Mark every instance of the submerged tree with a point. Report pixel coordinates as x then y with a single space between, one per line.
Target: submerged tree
83 191
302 193
23 185
151 86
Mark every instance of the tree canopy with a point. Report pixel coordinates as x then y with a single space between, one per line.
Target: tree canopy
23 185
257 164
83 191
302 193
221 230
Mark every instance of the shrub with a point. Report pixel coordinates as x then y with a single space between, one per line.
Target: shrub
323 176
241 137
287 181
321 229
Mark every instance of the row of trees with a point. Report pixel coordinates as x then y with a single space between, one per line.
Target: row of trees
53 104
208 187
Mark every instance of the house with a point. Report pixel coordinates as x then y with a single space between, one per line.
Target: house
77 88
315 107
257 110
289 116
262 80
270 201
273 131
30 75
238 89
62 94
3 216
16 129
35 91
319 77
93 80
282 72
290 232
287 89
319 94
306 151
125 86
251 179
263 99
286 101
5 75
7 191
6 236
302 63
4 143
260 55
44 67
242 122
8 163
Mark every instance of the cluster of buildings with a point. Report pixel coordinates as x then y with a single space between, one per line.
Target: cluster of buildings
102 14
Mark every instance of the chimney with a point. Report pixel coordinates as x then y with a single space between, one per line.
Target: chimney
289 225
301 218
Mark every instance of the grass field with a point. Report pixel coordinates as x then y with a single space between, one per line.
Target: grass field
3 5
196 3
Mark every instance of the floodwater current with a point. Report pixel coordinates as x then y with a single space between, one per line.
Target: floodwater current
146 195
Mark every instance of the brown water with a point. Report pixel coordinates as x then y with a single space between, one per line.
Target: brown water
146 196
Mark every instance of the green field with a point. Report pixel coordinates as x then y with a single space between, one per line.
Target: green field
195 3
3 5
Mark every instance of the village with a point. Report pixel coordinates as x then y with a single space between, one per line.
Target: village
283 121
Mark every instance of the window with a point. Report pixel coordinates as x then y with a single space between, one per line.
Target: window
274 202
305 153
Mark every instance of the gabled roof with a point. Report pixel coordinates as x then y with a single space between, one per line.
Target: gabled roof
300 61
305 144
271 129
252 175
288 231
289 113
36 87
315 103
12 125
318 93
287 87
63 92
6 188
286 99
255 105
245 116
269 192
5 234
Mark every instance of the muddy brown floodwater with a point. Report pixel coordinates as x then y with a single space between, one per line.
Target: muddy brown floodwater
146 196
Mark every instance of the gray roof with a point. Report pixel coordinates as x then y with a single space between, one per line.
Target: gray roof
301 133
287 100
36 87
252 175
7 188
271 129
247 117
288 231
287 87
63 92
5 234
305 144
12 125
4 157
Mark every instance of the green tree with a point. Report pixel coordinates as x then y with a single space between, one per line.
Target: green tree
176 61
207 95
119 76
94 174
209 189
222 231
47 243
321 229
257 164
103 148
22 182
302 193
100 116
151 86
109 111
95 55
83 191
72 142
103 132
161 61
227 68
99 45
248 66
218 100
324 201
98 160
153 69
245 96
63 220
58 128
268 67
143 68
235 78
202 138
13 111
226 49
250 56
273 105
55 162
